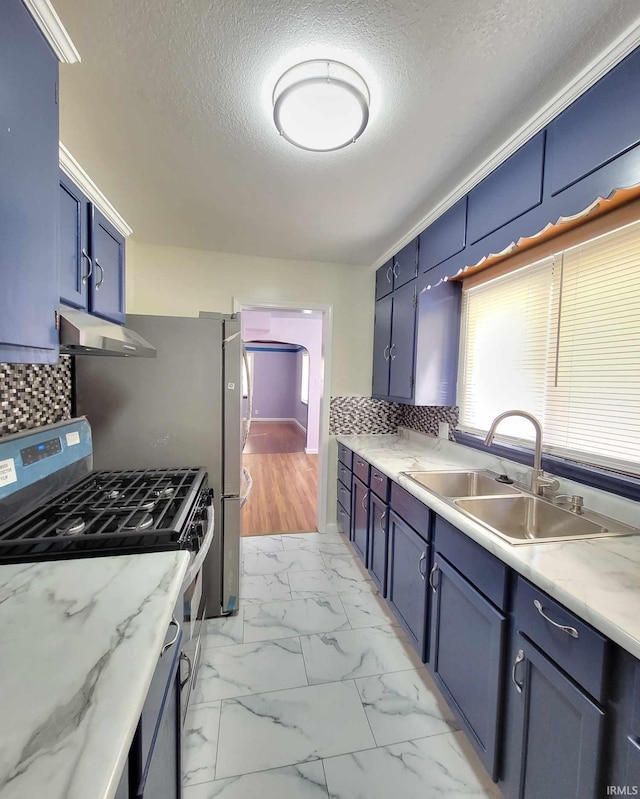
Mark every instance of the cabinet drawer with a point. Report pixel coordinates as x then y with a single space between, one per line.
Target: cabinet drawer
345 456
584 658
344 475
361 469
487 574
344 496
344 520
411 510
379 484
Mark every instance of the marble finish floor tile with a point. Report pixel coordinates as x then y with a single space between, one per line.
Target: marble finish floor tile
367 610
357 653
301 540
327 582
225 631
291 561
200 743
249 669
264 588
260 543
338 560
403 706
286 727
296 617
441 766
304 781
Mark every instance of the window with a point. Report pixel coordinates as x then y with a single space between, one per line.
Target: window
304 379
560 338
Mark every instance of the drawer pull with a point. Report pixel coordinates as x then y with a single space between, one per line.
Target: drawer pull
170 643
516 663
568 630
432 578
360 463
422 560
378 477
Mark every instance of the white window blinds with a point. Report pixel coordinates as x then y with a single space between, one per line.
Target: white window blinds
561 339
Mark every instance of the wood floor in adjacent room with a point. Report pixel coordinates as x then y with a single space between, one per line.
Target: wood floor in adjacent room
285 481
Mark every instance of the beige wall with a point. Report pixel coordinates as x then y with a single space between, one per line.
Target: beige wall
181 282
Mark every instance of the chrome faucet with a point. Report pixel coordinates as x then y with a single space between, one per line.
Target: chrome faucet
538 480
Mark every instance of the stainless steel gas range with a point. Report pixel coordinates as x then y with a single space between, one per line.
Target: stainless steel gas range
54 506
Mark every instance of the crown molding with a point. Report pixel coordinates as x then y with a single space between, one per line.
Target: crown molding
73 169
599 67
54 31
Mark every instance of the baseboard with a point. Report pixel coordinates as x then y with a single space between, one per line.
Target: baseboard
331 527
300 425
308 451
273 419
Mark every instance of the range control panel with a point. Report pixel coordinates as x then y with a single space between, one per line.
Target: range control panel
38 452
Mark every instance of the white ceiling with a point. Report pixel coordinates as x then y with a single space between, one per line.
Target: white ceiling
170 110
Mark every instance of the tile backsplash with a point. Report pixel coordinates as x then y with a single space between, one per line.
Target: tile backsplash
32 395
365 415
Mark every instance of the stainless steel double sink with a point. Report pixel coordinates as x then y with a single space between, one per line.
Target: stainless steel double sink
511 512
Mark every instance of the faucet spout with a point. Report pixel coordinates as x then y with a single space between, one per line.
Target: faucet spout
538 481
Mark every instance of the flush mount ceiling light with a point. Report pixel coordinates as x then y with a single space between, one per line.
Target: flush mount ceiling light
321 105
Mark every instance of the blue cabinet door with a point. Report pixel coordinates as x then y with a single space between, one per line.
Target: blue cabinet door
384 280
74 262
555 730
107 281
378 542
28 189
444 237
511 190
402 350
406 580
467 657
597 127
405 264
381 347
360 517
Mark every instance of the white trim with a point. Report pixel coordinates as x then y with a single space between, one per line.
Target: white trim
273 419
54 32
327 346
332 527
73 169
599 67
308 451
301 426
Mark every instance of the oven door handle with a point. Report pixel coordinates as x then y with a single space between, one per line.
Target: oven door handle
184 656
196 563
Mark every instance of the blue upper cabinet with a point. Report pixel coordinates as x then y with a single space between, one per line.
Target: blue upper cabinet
511 190
596 128
28 190
107 289
445 237
402 350
74 262
405 264
384 280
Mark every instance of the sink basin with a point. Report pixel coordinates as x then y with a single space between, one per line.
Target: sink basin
453 484
529 520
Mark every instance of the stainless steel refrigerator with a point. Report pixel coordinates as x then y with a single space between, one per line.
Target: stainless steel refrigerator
183 408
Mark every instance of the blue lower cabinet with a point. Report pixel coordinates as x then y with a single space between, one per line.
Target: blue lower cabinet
360 517
467 646
378 542
555 731
407 580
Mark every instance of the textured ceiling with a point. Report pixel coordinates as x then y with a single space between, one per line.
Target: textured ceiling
170 112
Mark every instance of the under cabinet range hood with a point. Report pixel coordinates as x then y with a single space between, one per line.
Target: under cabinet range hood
82 334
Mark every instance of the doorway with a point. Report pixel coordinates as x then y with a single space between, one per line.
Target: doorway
286 451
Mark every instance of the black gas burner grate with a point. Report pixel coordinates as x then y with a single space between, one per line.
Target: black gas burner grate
108 513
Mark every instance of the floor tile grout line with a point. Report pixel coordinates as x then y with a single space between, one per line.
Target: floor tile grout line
324 771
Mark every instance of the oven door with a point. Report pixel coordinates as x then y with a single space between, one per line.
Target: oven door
194 613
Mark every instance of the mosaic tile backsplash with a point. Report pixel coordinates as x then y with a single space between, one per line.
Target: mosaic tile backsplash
32 395
364 415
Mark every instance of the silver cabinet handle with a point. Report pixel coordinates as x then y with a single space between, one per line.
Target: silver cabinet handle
378 477
391 352
383 519
184 656
432 577
363 501
389 273
386 353
360 463
86 277
101 281
395 269
422 560
568 630
170 643
516 662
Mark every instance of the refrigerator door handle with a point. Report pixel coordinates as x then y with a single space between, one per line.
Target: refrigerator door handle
246 423
249 483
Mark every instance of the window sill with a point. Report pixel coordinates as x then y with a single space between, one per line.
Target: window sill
613 482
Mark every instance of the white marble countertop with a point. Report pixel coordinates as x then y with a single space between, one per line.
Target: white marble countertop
598 579
79 642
